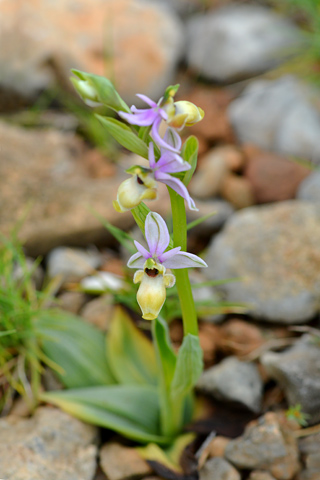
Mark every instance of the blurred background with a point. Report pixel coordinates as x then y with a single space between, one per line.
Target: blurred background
252 66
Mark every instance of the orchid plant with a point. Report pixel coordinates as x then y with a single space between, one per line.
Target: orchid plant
157 378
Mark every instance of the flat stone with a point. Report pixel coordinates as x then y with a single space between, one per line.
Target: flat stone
234 381
297 370
50 445
238 41
99 311
309 188
120 463
218 469
274 178
274 249
265 445
279 115
135 43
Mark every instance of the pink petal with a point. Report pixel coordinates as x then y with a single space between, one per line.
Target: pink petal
144 252
177 186
170 253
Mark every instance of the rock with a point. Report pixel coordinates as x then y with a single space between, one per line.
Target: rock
234 381
208 337
72 264
50 445
71 301
209 311
262 40
279 115
273 177
135 43
218 469
215 126
309 448
44 171
221 209
119 462
298 372
238 191
274 249
238 337
309 188
265 445
209 176
99 311
218 446
260 475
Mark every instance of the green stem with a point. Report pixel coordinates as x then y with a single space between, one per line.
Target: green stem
179 220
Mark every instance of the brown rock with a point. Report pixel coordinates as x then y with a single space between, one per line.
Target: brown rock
208 335
240 338
260 475
119 462
42 174
218 446
273 177
238 191
233 157
266 445
209 176
71 301
215 126
135 43
99 312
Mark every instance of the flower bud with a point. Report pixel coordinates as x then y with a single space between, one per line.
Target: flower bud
86 91
185 114
152 291
141 186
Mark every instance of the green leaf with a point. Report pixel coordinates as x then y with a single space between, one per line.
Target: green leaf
106 93
190 154
131 355
124 135
132 410
77 347
165 354
188 368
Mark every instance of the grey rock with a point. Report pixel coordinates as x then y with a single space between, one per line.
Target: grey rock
218 469
238 41
279 115
265 446
310 188
205 294
260 475
72 264
221 210
297 371
274 251
234 381
50 445
309 448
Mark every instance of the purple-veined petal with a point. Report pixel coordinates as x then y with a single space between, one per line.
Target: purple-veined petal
147 100
177 186
144 252
172 138
152 160
171 162
156 233
158 139
170 253
184 260
143 119
136 261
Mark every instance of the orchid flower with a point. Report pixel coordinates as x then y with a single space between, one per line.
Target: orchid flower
153 278
175 114
143 184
